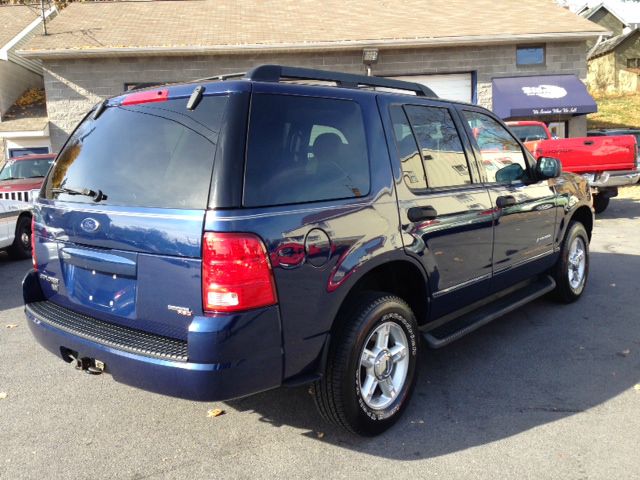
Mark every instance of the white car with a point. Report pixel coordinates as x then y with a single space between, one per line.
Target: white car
15 228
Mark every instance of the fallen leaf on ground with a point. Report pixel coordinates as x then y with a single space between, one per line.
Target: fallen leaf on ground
3 395
11 325
624 352
215 412
636 387
320 434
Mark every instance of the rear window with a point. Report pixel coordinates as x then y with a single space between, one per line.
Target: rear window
148 155
304 149
529 133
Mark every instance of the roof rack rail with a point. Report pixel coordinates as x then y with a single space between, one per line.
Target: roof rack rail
220 77
274 73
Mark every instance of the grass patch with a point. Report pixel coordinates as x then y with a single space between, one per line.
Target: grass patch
616 112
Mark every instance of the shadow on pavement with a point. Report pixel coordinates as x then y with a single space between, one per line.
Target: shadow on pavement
537 365
621 207
11 274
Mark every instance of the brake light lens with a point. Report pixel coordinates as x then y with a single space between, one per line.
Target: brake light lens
149 96
236 273
34 258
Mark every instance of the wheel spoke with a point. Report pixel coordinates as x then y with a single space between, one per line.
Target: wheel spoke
387 388
398 352
382 339
369 387
368 357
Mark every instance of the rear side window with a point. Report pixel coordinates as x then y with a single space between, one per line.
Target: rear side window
147 155
410 159
445 162
304 149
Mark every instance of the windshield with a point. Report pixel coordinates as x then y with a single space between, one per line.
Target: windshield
146 155
529 133
25 168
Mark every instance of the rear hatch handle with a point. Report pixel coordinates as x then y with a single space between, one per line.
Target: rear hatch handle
100 261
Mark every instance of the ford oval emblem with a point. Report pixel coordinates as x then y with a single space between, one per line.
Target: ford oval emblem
90 225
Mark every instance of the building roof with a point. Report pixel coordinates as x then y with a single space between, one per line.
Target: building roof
216 26
610 45
628 12
14 19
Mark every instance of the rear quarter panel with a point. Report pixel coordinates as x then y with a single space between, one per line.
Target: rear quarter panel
318 250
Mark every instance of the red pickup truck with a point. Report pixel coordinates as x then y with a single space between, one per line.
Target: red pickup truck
606 162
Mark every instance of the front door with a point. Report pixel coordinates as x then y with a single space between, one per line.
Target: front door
525 208
445 212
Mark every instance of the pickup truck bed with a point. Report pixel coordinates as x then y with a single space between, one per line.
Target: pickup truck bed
607 162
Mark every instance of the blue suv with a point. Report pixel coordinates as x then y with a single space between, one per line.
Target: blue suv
214 239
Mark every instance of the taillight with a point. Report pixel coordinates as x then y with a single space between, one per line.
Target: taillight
236 273
34 258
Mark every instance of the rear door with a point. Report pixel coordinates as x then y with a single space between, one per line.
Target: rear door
119 230
525 208
445 212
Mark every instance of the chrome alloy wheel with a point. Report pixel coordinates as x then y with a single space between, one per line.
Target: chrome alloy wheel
577 263
384 363
25 238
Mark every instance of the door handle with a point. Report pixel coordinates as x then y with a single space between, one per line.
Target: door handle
588 142
505 201
417 214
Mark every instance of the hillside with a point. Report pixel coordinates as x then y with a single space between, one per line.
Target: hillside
622 111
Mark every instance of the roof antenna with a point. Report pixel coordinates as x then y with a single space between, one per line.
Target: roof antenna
195 97
44 17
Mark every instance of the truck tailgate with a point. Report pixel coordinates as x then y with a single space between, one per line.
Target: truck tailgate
589 154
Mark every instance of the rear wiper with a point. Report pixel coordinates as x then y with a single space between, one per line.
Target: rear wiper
87 192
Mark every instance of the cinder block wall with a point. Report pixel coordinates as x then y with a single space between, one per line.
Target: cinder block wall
73 86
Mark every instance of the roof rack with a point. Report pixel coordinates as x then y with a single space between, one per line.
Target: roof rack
274 73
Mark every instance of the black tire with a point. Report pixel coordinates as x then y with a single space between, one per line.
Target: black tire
21 247
338 394
565 292
600 203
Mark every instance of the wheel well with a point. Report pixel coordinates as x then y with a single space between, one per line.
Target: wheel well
399 278
584 216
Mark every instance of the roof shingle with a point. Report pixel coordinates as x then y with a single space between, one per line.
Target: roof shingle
212 25
610 45
14 19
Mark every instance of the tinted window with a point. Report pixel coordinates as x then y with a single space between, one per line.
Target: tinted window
25 169
530 56
444 160
304 149
152 155
412 169
497 146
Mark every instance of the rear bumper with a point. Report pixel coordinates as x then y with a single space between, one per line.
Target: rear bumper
228 357
614 179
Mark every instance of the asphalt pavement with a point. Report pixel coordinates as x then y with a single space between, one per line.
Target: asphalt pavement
549 391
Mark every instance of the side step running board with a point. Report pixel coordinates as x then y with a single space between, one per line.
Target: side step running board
467 323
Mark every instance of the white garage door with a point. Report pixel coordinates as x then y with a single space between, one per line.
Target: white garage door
452 86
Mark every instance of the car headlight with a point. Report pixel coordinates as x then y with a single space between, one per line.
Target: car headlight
33 195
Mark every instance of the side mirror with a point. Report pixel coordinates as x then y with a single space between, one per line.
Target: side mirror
548 167
510 173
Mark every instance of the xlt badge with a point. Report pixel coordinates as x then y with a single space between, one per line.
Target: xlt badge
184 311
